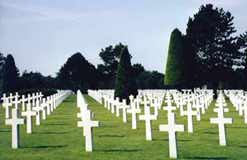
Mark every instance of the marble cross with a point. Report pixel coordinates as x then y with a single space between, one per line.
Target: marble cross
15 122
133 110
6 105
147 117
87 125
190 113
221 121
28 114
172 128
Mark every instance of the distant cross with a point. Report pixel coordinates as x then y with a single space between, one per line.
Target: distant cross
172 128
38 109
190 113
147 117
6 105
169 108
28 114
124 108
133 110
16 101
44 108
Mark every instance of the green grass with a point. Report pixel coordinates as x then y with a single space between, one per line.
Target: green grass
58 138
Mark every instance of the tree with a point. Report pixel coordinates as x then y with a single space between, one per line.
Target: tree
125 84
2 61
175 74
10 75
110 57
77 73
210 33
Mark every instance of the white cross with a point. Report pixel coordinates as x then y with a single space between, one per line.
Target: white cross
16 101
190 113
172 128
87 125
23 101
221 121
48 107
15 122
44 108
133 110
169 108
6 106
124 107
147 117
38 109
28 114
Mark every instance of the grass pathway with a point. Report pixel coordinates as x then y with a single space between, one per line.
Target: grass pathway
58 138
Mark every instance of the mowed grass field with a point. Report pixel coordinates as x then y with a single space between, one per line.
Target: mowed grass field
59 138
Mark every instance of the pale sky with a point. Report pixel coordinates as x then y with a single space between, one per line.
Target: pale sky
42 34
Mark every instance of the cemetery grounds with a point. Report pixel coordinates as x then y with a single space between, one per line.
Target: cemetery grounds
59 138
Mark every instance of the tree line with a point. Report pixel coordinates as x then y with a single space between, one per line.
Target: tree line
77 73
209 53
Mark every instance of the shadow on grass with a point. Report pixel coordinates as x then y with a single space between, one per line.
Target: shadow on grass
211 132
209 158
69 101
45 146
111 136
5 130
118 150
54 124
179 140
50 132
243 146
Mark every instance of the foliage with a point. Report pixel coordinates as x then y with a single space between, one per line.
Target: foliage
110 57
150 80
2 61
125 83
77 73
10 75
210 33
175 73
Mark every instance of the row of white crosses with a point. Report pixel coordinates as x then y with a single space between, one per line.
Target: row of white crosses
31 109
239 100
147 98
86 121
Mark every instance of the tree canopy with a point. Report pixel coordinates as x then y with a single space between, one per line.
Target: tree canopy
125 83
210 33
10 75
77 73
175 73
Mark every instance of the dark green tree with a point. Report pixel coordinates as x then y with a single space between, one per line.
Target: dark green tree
125 83
175 73
210 33
10 75
77 73
110 57
2 61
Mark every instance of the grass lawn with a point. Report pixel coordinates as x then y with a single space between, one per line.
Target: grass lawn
58 138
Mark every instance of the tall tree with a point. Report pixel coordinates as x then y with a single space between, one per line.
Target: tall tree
2 61
210 33
77 73
10 75
125 84
110 57
175 74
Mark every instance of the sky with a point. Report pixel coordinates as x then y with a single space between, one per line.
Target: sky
42 34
